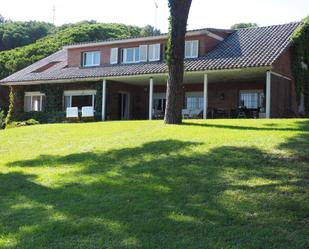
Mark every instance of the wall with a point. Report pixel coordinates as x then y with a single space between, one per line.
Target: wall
206 44
4 97
223 95
283 66
280 101
138 100
220 95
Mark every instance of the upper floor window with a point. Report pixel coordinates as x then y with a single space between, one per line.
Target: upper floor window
130 55
191 49
91 59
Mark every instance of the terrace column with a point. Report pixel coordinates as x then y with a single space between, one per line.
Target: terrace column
104 100
150 97
205 95
268 93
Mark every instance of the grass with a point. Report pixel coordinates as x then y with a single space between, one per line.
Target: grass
143 185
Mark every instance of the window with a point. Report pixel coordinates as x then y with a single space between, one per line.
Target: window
191 49
91 59
159 102
79 98
154 52
194 100
252 99
130 55
114 56
34 102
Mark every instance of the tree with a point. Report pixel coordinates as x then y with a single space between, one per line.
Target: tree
1 19
149 30
179 12
244 25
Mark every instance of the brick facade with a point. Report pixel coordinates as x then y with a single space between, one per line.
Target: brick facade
220 95
206 44
283 66
3 97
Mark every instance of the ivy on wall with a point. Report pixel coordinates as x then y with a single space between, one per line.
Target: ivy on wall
98 101
54 97
300 58
9 115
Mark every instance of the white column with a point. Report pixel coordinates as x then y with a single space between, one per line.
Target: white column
103 100
205 95
268 93
150 97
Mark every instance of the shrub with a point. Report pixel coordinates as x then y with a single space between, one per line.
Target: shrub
8 118
2 119
28 122
42 117
32 122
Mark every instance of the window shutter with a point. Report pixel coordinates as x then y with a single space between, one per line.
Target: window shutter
187 49
195 48
157 52
114 56
143 49
154 52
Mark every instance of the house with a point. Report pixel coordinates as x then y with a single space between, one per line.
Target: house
126 78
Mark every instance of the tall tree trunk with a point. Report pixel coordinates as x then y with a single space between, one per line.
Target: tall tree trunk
179 11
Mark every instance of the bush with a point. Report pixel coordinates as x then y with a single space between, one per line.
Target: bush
42 117
2 120
28 122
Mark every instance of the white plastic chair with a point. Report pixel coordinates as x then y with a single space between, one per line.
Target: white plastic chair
185 113
87 112
195 113
72 112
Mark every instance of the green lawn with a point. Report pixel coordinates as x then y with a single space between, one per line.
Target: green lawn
143 185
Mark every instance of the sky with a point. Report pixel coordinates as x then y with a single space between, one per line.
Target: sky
203 13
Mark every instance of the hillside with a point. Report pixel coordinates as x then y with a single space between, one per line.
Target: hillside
18 34
18 58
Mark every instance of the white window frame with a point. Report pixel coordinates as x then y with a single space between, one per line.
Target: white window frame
258 91
143 50
92 53
87 92
155 48
114 56
193 54
31 95
124 57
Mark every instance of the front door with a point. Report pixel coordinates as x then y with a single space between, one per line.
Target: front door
124 105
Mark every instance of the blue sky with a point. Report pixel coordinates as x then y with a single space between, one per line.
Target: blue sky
204 13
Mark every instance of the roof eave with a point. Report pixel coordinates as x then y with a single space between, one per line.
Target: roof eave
88 79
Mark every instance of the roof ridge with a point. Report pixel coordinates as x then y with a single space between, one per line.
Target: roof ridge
148 36
269 26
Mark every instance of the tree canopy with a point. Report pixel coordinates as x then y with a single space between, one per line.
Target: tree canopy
17 34
20 57
300 62
244 25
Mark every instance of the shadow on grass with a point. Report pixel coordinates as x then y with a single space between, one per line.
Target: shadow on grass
162 194
301 126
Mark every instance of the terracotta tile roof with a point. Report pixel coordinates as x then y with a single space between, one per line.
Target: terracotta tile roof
244 48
